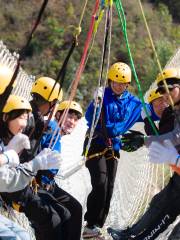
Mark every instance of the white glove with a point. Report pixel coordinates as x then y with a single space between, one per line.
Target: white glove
11 158
47 159
18 143
163 153
98 93
143 113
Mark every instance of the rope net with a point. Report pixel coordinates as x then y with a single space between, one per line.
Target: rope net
137 180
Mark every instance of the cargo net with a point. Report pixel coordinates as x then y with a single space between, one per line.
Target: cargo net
23 81
137 180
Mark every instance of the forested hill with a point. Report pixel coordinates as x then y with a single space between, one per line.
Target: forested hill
53 37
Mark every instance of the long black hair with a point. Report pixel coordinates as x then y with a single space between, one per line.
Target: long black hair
5 133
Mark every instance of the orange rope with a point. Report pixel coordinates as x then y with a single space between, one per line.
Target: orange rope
79 70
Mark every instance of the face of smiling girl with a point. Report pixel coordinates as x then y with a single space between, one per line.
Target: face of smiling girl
18 124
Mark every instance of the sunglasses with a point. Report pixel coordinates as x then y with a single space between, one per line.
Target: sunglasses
162 89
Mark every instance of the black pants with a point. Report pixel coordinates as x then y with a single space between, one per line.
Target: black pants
163 210
72 227
103 173
42 210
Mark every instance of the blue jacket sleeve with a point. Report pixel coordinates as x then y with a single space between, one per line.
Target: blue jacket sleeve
151 110
89 113
46 139
122 114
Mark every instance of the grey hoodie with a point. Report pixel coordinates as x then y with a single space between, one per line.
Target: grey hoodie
14 179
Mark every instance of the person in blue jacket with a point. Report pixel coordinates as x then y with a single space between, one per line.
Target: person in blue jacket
71 229
120 111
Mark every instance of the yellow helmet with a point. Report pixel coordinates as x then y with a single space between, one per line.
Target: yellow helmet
5 77
153 95
74 106
168 73
120 72
16 103
44 85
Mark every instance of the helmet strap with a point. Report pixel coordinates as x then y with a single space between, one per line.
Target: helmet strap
5 117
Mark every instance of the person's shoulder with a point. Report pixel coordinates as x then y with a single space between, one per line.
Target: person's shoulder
107 91
131 97
168 112
53 124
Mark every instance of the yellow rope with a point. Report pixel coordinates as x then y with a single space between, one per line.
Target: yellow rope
101 14
78 29
96 25
155 52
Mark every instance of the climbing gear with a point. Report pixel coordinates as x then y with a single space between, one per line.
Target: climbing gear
120 72
16 103
98 154
60 78
132 141
108 27
5 77
122 19
44 85
106 150
71 105
62 71
154 95
78 72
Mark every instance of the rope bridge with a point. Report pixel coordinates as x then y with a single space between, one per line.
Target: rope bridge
137 180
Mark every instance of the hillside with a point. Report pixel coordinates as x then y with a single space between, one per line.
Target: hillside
54 35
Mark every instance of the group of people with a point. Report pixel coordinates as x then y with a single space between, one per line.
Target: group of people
164 207
28 166
30 155
119 112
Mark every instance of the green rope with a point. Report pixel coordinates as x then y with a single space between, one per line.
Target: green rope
122 19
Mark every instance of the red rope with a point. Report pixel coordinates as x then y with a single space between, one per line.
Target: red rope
81 66
85 51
